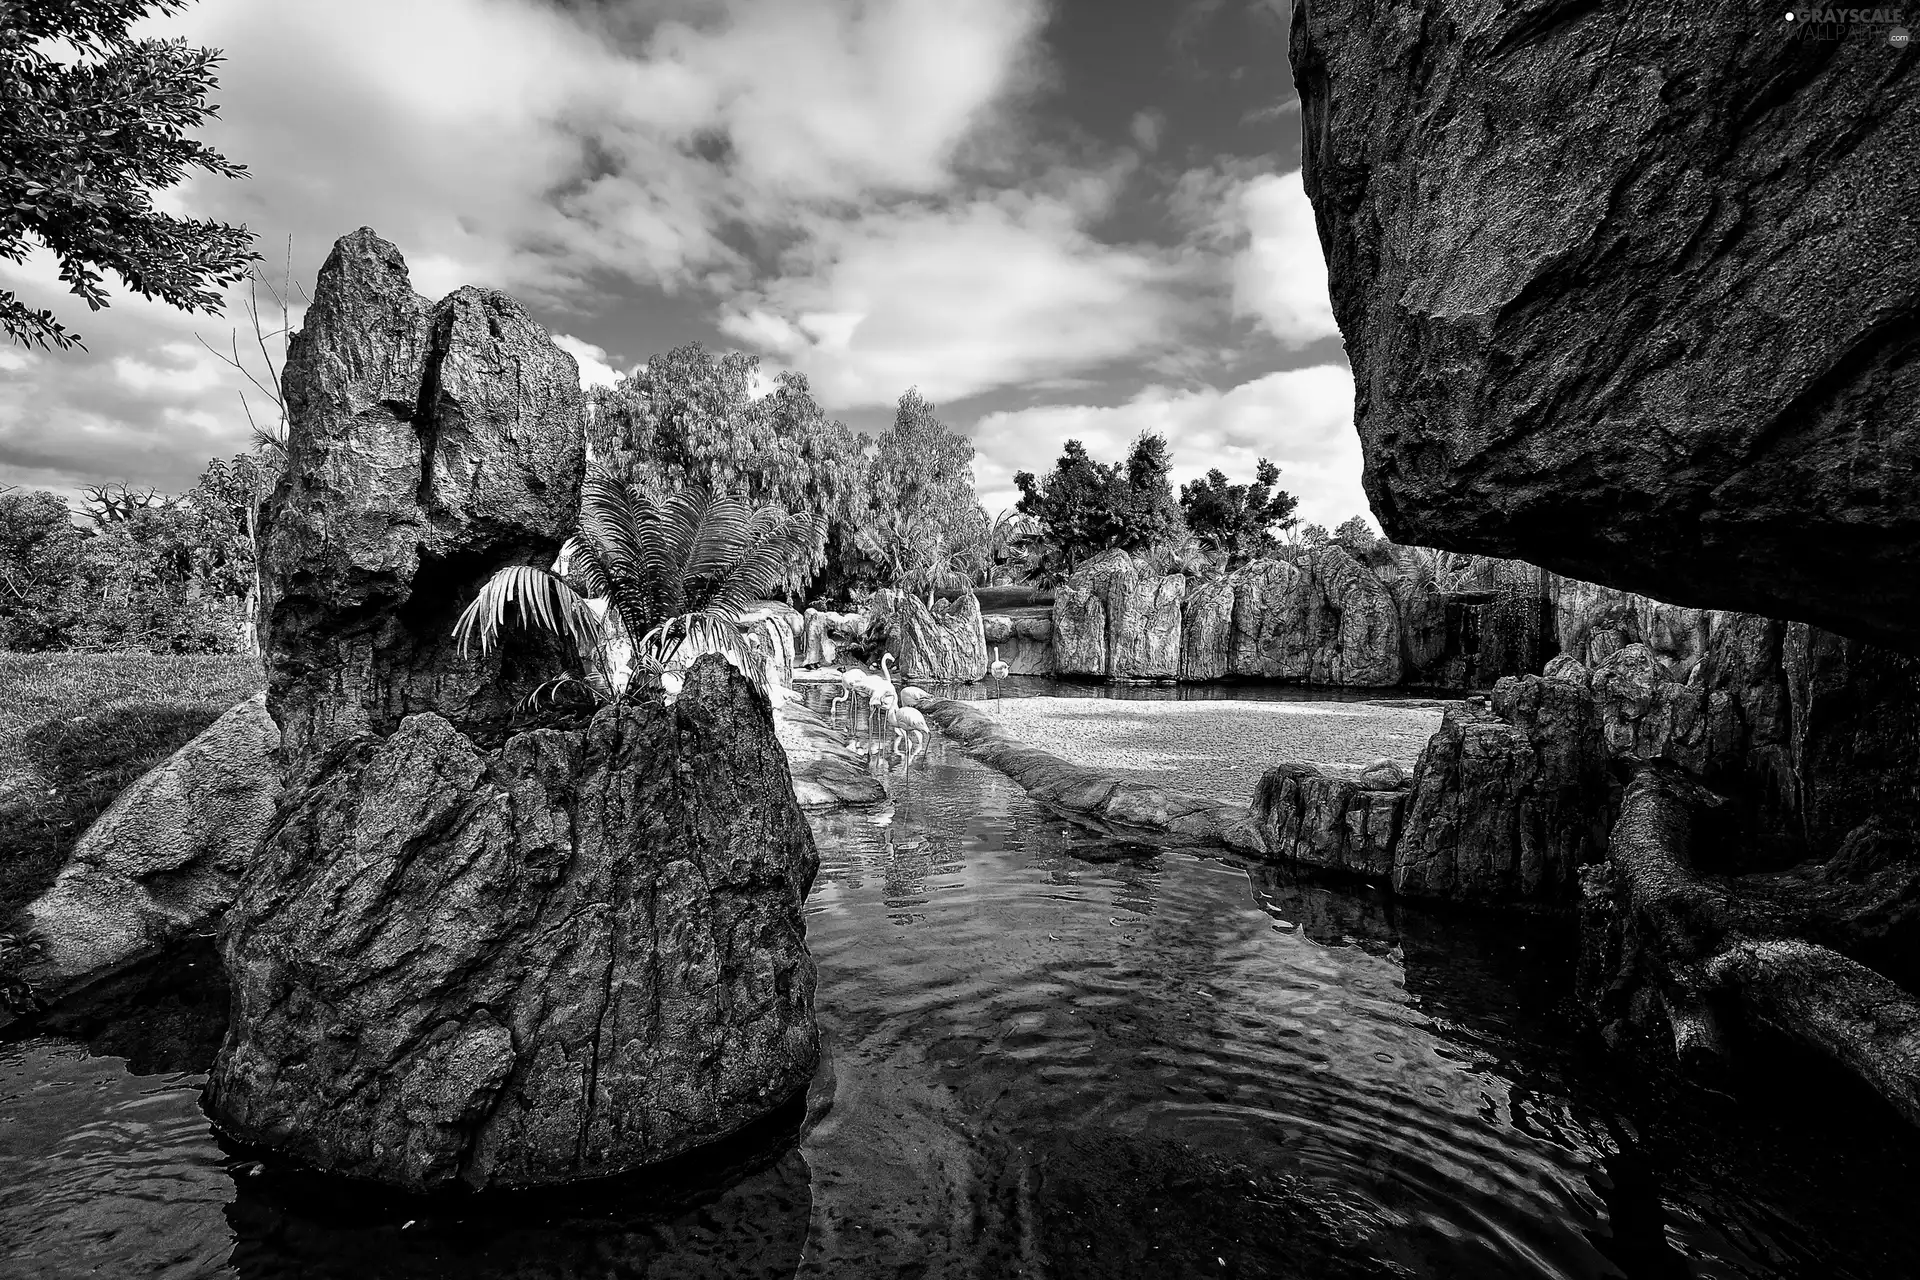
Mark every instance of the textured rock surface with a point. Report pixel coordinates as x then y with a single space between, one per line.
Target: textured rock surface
1676 349
1206 629
1323 818
1508 801
568 958
429 444
165 858
939 645
1143 625
1855 716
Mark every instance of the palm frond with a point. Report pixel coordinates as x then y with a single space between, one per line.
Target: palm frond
535 595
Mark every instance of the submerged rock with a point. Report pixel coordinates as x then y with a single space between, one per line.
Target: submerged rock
1671 350
164 860
572 957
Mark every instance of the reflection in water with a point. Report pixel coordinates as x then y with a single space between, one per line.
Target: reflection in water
1049 1054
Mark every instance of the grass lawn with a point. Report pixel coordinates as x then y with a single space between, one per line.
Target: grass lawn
76 728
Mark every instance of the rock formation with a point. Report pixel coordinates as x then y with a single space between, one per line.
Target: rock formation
1626 298
1319 817
1024 642
164 860
436 443
473 949
569 958
1509 799
943 644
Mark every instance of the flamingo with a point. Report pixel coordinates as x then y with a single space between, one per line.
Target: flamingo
906 720
998 671
912 695
852 682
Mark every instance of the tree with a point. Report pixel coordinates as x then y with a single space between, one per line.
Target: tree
1238 521
923 527
85 145
40 553
646 583
226 504
1085 506
1150 515
1356 535
115 501
688 418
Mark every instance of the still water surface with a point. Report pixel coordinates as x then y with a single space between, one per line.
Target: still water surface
1049 1054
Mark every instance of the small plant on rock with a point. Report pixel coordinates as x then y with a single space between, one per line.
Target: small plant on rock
675 572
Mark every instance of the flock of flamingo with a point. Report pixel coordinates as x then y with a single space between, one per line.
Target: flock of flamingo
895 707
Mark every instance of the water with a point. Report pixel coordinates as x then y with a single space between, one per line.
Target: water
1051 1055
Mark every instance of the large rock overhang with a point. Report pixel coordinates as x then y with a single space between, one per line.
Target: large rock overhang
1636 298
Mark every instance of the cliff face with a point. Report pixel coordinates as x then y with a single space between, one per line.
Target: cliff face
1632 298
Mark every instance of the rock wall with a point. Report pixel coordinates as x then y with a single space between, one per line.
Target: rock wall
432 443
1674 348
1325 618
569 958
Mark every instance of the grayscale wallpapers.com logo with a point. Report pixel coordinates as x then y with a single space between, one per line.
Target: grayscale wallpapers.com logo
1838 24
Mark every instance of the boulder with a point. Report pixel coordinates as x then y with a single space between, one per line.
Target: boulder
997 628
1645 714
1593 622
1028 651
1143 625
1323 818
571 957
1079 631
945 644
163 861
1323 620
1671 351
1206 629
1509 800
1266 643
1855 716
430 444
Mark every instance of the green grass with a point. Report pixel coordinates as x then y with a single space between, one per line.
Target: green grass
76 728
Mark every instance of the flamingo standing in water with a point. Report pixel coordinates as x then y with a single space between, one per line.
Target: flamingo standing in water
999 669
852 682
905 721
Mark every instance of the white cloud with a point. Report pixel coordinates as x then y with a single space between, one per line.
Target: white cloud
1280 277
1302 419
595 369
959 300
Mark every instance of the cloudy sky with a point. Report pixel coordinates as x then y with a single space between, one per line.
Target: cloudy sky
1057 218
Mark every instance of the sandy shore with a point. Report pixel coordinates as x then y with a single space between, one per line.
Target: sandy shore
1213 749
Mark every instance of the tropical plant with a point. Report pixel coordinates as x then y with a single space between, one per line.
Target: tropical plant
690 418
647 584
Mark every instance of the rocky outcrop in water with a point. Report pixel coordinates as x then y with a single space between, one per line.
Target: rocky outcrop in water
571 957
1673 350
1322 817
473 950
435 443
1509 798
164 860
